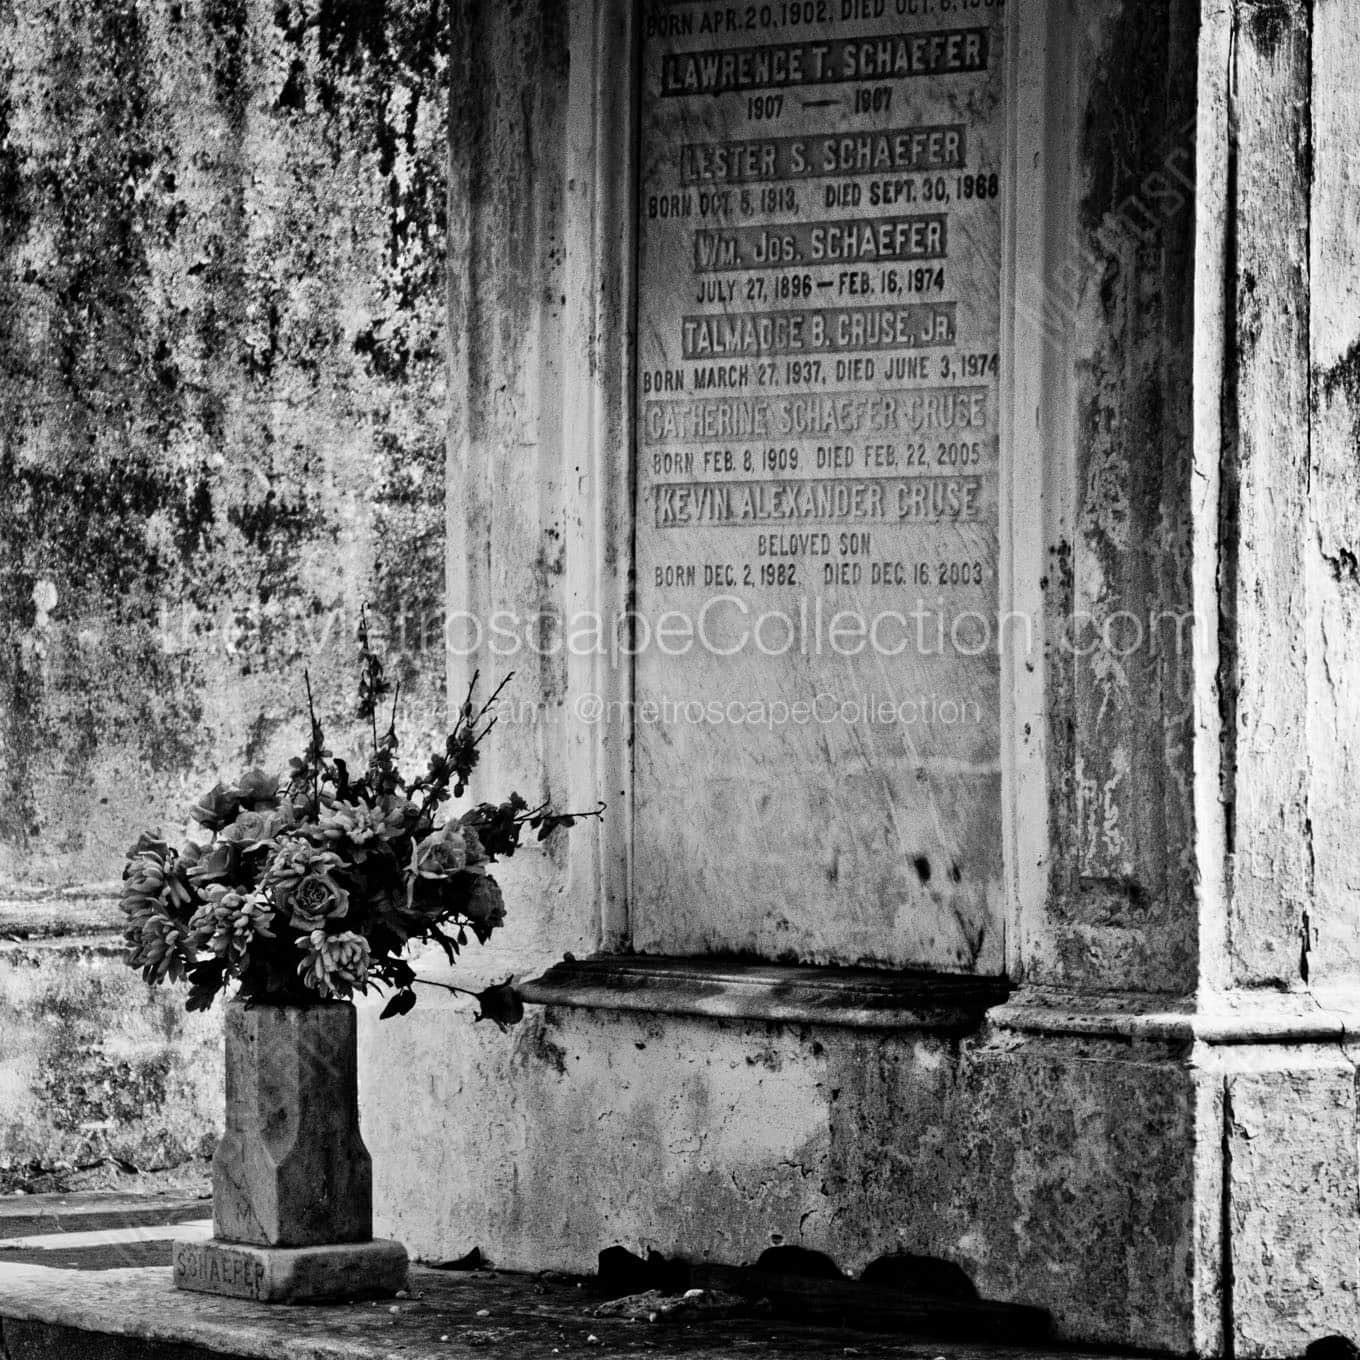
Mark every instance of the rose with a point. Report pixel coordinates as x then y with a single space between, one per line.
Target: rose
315 899
334 964
217 807
448 853
484 907
477 857
301 881
255 788
212 863
441 854
251 830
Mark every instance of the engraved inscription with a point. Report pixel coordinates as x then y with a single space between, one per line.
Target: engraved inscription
217 1268
820 216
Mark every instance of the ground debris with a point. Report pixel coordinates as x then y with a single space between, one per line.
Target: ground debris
655 1306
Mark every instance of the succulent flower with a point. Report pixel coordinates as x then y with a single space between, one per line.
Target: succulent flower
156 901
159 946
366 827
334 964
153 874
228 921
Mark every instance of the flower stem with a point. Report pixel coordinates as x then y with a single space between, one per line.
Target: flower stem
447 986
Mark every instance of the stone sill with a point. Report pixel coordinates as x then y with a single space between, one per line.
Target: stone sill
859 998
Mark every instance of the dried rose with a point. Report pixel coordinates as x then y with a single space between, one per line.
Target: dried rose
501 1004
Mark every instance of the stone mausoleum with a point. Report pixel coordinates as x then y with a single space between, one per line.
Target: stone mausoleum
907 451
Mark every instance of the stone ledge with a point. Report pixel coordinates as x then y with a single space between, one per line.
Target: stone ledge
862 998
78 912
1219 1021
114 1314
83 1211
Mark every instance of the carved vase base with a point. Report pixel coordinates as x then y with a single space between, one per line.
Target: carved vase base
340 1270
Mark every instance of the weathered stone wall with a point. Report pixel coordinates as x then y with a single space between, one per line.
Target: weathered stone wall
222 311
222 418
97 1085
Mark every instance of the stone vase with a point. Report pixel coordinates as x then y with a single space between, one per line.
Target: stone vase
292 1179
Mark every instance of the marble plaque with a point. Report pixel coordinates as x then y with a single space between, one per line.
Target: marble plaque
819 294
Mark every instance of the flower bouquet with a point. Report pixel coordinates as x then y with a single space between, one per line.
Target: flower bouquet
310 886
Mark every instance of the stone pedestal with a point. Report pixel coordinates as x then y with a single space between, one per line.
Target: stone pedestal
292 1180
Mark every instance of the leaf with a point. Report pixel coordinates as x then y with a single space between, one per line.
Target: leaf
400 1004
